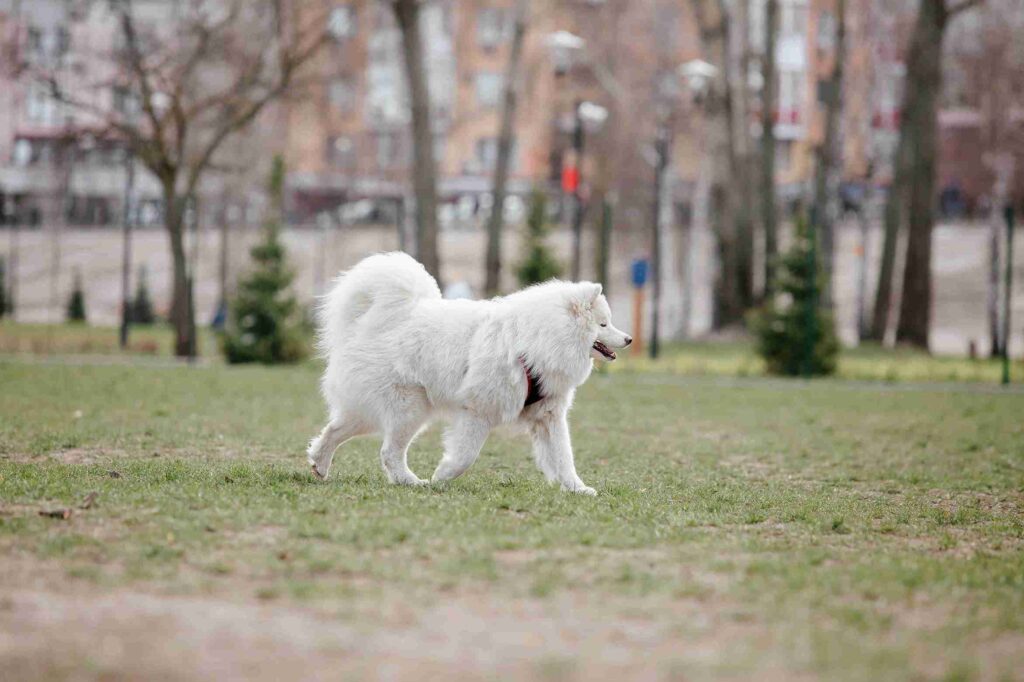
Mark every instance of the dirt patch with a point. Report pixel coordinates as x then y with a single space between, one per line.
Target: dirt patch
131 635
72 456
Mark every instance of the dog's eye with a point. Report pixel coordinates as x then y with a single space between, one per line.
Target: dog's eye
604 324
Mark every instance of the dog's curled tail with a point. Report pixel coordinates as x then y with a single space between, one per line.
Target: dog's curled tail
384 279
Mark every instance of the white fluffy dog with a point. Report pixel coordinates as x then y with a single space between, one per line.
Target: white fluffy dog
398 354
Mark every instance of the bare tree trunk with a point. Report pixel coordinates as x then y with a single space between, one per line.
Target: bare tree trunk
1003 166
920 109
829 163
893 218
713 24
182 314
768 104
913 182
407 14
742 151
492 281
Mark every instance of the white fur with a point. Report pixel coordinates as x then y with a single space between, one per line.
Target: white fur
398 355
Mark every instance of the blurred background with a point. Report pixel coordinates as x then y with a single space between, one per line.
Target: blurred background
724 168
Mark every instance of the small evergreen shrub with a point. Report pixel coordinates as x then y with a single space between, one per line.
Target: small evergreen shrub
76 303
265 321
795 333
141 311
538 264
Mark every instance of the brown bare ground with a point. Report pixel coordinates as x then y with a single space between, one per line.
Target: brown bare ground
133 635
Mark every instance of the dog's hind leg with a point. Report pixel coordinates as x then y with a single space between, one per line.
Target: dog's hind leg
462 443
321 449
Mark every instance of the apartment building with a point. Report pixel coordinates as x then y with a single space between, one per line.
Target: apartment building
348 139
55 166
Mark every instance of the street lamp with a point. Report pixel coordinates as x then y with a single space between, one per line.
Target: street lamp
698 76
564 47
587 117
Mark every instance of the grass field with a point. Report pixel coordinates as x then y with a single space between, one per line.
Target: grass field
742 527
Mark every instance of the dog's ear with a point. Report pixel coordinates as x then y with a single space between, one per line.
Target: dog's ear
582 303
591 291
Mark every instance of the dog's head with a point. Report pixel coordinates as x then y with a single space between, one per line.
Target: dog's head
590 309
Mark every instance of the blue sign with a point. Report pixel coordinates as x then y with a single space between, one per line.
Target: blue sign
639 272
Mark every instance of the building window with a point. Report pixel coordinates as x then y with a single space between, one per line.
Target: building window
342 94
791 91
389 150
34 43
63 38
485 154
341 152
125 102
491 27
23 153
341 22
488 89
758 15
827 28
40 107
793 18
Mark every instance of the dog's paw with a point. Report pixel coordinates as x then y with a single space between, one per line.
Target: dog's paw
411 480
582 490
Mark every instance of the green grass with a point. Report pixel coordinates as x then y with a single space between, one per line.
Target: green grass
869 362
83 339
856 531
733 359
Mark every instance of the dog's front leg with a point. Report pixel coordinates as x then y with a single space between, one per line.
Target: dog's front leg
552 449
462 443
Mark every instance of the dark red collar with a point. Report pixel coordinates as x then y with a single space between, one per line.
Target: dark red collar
533 385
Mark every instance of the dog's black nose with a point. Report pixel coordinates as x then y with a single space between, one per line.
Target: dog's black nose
629 340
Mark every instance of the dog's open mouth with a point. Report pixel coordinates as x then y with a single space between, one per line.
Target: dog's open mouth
604 350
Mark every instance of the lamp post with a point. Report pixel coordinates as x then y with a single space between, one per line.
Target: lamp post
1008 216
565 47
661 148
592 116
698 75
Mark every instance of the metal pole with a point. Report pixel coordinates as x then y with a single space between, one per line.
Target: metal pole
126 252
661 146
577 218
193 345
604 245
220 316
1008 299
12 298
